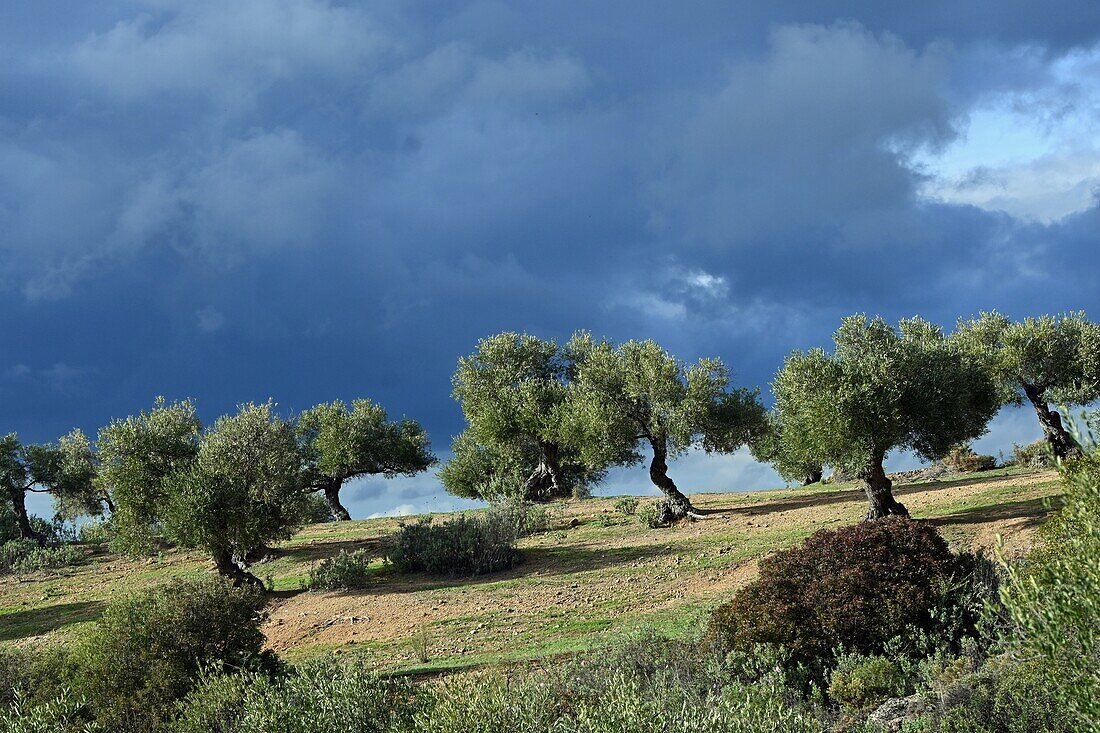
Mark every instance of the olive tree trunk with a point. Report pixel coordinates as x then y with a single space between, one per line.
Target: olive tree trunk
232 571
545 482
880 497
332 496
813 476
1061 443
676 505
19 504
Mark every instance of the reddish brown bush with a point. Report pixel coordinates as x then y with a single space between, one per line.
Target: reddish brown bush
855 588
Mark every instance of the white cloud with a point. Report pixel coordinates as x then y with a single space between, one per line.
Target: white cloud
1032 152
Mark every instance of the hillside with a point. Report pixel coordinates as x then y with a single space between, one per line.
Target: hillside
597 573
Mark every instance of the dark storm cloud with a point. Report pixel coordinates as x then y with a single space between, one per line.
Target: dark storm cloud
313 200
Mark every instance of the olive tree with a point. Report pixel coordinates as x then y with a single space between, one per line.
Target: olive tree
882 389
137 454
1044 360
242 490
636 394
791 457
339 444
65 471
512 389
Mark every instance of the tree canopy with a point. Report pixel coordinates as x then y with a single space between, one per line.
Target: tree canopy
512 390
339 444
242 491
137 454
65 471
1046 360
793 459
882 389
636 394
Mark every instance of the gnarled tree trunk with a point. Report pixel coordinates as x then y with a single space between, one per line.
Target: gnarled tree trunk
1059 439
19 503
676 505
545 482
813 476
332 496
880 497
233 572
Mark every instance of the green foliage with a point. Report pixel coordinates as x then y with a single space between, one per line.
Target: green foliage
1033 455
1054 600
1007 697
342 571
650 516
791 454
66 713
512 390
882 389
137 456
317 698
852 589
466 544
339 443
145 651
241 491
1060 355
316 510
963 459
25 556
862 683
637 391
64 471
627 505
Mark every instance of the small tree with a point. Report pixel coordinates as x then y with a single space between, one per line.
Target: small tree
637 394
791 458
512 390
242 491
1046 360
64 471
882 389
339 444
496 473
137 455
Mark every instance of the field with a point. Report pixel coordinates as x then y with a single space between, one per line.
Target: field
597 574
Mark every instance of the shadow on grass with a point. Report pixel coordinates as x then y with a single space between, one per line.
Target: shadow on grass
21 624
850 494
323 550
540 562
1035 511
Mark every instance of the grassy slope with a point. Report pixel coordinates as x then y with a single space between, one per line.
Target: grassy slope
606 576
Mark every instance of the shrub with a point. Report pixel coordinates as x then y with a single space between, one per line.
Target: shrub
467 544
316 510
25 556
342 571
1032 455
963 459
627 505
317 698
146 649
854 588
650 516
862 683
97 532
1006 697
1053 600
525 517
66 713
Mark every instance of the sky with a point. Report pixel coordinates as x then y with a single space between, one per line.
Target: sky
309 200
